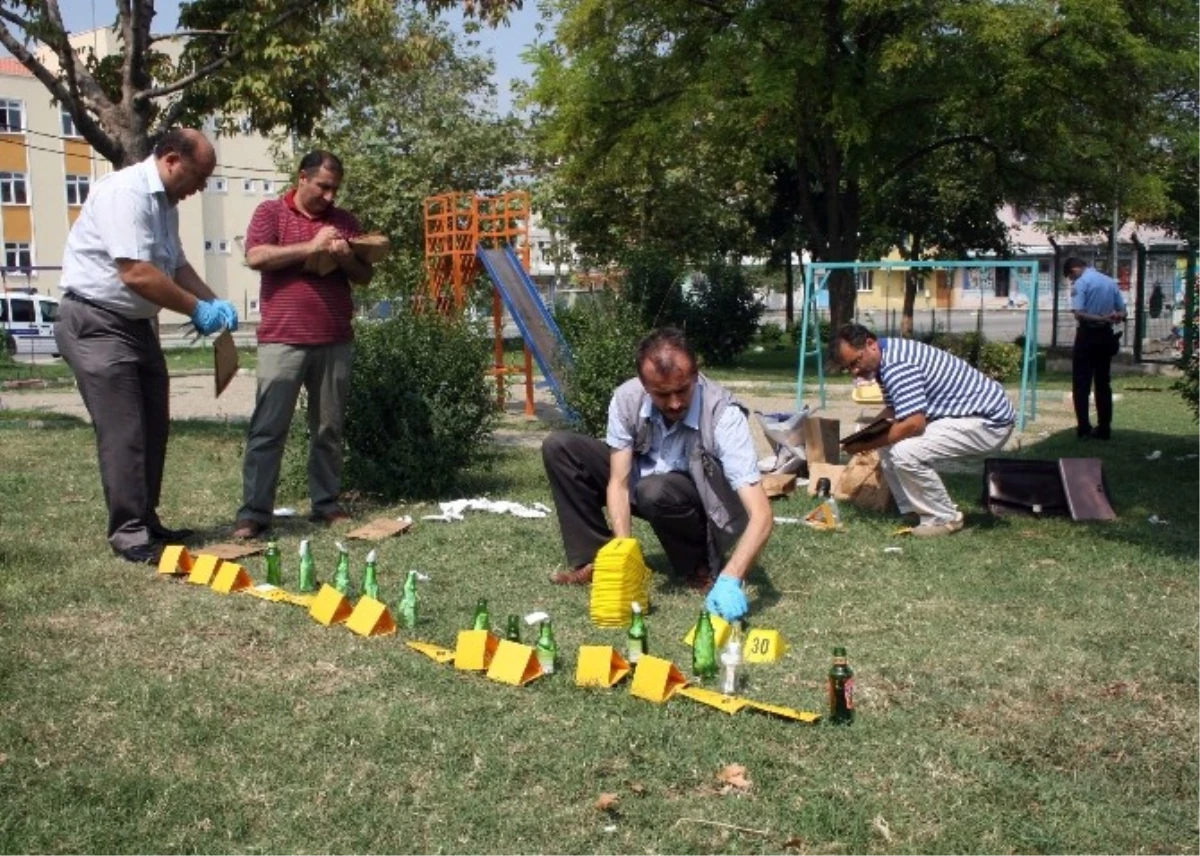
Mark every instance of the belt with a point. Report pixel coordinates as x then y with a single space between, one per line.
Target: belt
77 298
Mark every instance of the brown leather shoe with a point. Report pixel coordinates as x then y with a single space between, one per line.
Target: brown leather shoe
246 530
581 576
700 580
335 516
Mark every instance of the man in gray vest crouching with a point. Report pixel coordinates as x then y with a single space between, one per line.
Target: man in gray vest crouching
679 455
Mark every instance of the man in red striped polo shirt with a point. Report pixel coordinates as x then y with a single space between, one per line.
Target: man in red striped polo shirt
304 339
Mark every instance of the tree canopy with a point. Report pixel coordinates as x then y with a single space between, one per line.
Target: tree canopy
673 122
265 60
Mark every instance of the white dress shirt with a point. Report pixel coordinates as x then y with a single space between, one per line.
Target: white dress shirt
127 216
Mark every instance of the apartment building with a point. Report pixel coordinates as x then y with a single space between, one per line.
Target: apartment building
47 171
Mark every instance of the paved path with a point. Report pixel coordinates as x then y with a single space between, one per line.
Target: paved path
192 398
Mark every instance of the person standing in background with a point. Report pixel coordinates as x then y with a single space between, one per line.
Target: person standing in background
1097 305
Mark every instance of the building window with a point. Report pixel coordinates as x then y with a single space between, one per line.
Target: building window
77 189
208 246
12 115
248 185
266 185
68 124
217 184
17 255
223 247
13 189
862 282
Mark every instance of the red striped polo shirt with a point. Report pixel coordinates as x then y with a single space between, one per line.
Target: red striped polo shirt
298 307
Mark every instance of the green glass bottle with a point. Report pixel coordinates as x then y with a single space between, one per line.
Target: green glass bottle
341 577
546 648
841 689
370 586
704 648
638 640
481 621
308 570
512 630
274 561
408 604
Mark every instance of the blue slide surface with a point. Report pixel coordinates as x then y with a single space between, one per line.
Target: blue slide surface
532 318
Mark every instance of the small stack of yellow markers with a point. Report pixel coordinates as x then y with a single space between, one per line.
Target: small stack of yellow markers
619 577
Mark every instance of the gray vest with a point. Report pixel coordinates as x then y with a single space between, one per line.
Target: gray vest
727 516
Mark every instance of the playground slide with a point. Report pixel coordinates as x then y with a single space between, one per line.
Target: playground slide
537 326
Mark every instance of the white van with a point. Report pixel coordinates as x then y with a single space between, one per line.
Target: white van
28 319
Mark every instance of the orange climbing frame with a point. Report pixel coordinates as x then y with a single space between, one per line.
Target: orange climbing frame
456 224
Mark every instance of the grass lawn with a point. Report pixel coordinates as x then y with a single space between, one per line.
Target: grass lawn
1024 686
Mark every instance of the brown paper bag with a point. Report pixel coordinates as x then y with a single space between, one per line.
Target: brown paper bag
863 483
833 472
821 441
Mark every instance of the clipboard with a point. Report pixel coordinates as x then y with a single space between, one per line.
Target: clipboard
225 360
875 429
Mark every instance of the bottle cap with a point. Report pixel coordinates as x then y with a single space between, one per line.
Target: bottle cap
636 607
839 651
823 486
371 557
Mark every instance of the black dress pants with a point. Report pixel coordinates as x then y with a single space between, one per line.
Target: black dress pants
1091 362
578 469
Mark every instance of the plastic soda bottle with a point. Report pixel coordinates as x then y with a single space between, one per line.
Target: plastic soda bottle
731 660
408 604
274 563
341 577
546 648
308 570
638 640
370 586
513 631
704 653
841 689
481 621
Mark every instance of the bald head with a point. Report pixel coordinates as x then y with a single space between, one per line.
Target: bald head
185 159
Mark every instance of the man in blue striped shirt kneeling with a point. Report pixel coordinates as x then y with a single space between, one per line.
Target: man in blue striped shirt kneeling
941 408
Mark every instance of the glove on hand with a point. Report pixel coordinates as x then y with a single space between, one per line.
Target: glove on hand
207 317
229 316
727 599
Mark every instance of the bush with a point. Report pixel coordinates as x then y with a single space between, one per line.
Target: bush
1001 361
420 404
770 335
1188 386
603 335
722 314
824 328
965 346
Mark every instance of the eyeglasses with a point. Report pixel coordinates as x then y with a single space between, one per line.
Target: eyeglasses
856 363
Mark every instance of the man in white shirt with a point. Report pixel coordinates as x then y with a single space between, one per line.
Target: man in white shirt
122 264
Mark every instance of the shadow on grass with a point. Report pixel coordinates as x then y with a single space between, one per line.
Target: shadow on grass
39 419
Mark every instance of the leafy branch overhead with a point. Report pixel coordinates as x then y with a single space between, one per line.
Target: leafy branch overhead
264 60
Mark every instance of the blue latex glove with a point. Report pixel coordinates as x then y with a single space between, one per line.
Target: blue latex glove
229 316
727 599
207 317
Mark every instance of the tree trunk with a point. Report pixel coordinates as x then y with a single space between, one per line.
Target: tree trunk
789 292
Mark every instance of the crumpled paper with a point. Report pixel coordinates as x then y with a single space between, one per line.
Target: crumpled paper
453 510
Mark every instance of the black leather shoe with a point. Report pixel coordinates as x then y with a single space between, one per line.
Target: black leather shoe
1102 433
141 554
173 536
